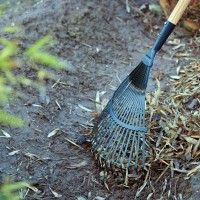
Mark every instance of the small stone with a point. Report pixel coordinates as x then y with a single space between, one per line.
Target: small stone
81 139
192 103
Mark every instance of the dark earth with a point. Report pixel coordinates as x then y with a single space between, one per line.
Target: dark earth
103 43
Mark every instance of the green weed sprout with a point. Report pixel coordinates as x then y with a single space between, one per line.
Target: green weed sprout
13 190
8 80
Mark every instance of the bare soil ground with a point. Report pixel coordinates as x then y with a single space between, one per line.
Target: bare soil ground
103 43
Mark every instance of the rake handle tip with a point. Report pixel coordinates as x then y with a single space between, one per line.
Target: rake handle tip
178 11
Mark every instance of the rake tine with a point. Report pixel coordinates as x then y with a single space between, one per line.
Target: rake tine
137 150
111 141
121 111
118 100
103 141
128 118
97 136
122 145
143 149
112 147
131 152
118 143
127 144
123 86
141 116
123 149
133 106
126 109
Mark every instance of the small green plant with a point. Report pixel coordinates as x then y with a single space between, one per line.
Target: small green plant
35 53
14 190
9 80
3 8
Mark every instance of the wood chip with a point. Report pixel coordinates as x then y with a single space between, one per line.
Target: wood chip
175 77
33 156
98 103
127 7
14 152
36 105
84 108
70 141
149 196
54 132
33 188
55 194
99 198
78 165
58 104
5 134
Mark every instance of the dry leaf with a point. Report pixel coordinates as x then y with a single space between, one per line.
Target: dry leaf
54 132
157 93
196 148
191 25
166 7
190 140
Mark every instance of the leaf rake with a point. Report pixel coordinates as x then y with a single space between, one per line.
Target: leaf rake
119 134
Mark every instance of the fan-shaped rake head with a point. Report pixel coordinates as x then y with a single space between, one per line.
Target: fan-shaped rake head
120 132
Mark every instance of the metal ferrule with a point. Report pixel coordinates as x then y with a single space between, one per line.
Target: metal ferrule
161 39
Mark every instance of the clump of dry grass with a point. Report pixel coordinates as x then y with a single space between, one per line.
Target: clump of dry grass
175 120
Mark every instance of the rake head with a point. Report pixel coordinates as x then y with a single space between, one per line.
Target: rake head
120 131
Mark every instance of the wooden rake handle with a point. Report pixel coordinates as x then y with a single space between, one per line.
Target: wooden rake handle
178 11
